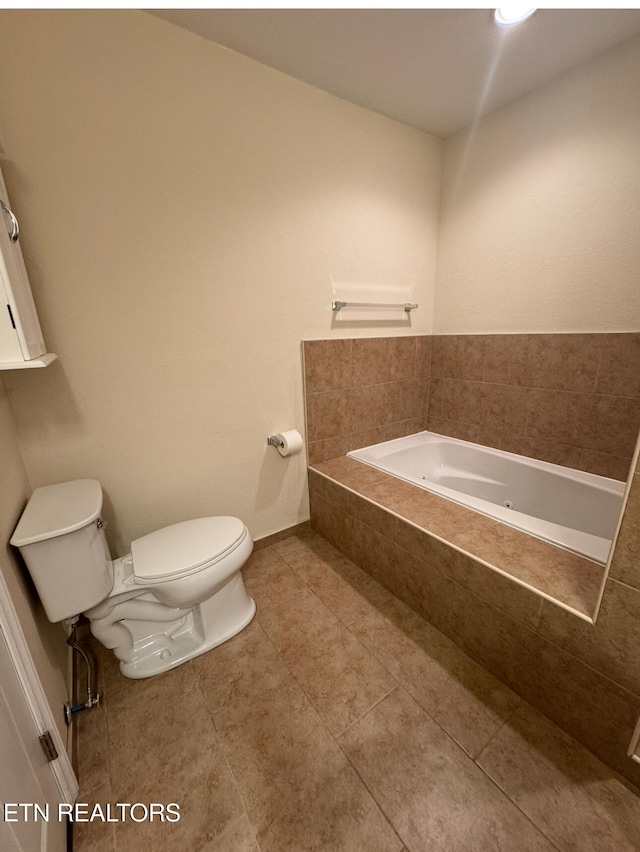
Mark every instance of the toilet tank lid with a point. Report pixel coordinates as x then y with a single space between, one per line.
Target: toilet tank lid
55 510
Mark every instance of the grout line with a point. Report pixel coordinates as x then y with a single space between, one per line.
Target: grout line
210 714
504 724
375 703
370 791
409 687
466 755
340 624
484 359
369 653
599 364
529 819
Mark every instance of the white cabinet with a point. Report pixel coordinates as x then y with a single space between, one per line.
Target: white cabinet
21 343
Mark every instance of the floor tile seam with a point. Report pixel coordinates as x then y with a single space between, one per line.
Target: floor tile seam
211 713
238 790
395 686
279 653
109 744
324 540
413 691
363 618
505 722
336 622
351 564
473 760
276 556
334 737
347 624
432 626
440 725
310 699
367 787
307 588
376 655
322 601
202 704
610 768
112 840
85 794
203 700
367 650
529 819
109 691
187 708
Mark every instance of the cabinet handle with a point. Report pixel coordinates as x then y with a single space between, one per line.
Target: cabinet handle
14 233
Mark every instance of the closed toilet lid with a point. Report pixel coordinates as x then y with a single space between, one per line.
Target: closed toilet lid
186 547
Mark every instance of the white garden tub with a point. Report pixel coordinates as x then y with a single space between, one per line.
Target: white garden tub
570 508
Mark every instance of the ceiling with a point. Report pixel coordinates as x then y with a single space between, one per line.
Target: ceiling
435 69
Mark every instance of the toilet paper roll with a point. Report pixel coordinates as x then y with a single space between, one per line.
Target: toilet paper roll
289 442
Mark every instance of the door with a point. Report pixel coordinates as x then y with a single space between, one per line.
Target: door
25 774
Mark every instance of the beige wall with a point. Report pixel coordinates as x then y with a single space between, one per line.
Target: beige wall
539 228
186 215
45 640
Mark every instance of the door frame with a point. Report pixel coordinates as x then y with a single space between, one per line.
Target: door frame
35 695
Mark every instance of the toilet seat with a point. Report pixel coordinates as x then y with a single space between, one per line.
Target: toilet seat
185 548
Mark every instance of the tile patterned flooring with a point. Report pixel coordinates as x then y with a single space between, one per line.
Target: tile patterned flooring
341 721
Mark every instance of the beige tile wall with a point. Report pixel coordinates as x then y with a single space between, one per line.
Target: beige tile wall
363 391
571 399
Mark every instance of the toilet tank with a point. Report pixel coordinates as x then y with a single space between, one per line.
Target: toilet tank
61 539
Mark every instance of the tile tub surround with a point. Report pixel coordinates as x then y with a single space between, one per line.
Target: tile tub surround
571 399
364 390
390 739
584 677
439 531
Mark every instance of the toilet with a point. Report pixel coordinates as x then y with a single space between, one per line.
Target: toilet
177 594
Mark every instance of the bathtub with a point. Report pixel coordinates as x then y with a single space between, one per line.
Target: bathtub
570 508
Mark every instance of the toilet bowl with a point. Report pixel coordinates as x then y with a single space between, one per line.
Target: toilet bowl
177 594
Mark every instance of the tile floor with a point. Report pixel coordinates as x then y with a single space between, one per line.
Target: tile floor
339 720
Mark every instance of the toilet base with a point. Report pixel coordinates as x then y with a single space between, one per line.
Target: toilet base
209 624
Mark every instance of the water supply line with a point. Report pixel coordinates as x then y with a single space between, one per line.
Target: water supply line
92 701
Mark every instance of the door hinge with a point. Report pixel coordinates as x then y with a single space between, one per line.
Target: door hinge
49 749
13 323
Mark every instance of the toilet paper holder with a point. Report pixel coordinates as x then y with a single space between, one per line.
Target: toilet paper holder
287 443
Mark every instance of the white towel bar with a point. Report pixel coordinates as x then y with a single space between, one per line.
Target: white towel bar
337 305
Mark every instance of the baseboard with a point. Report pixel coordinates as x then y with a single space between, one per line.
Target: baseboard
274 538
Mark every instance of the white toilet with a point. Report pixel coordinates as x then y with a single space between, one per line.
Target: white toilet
176 595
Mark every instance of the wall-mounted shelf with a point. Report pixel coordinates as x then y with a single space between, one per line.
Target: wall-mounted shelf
42 361
21 343
337 305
